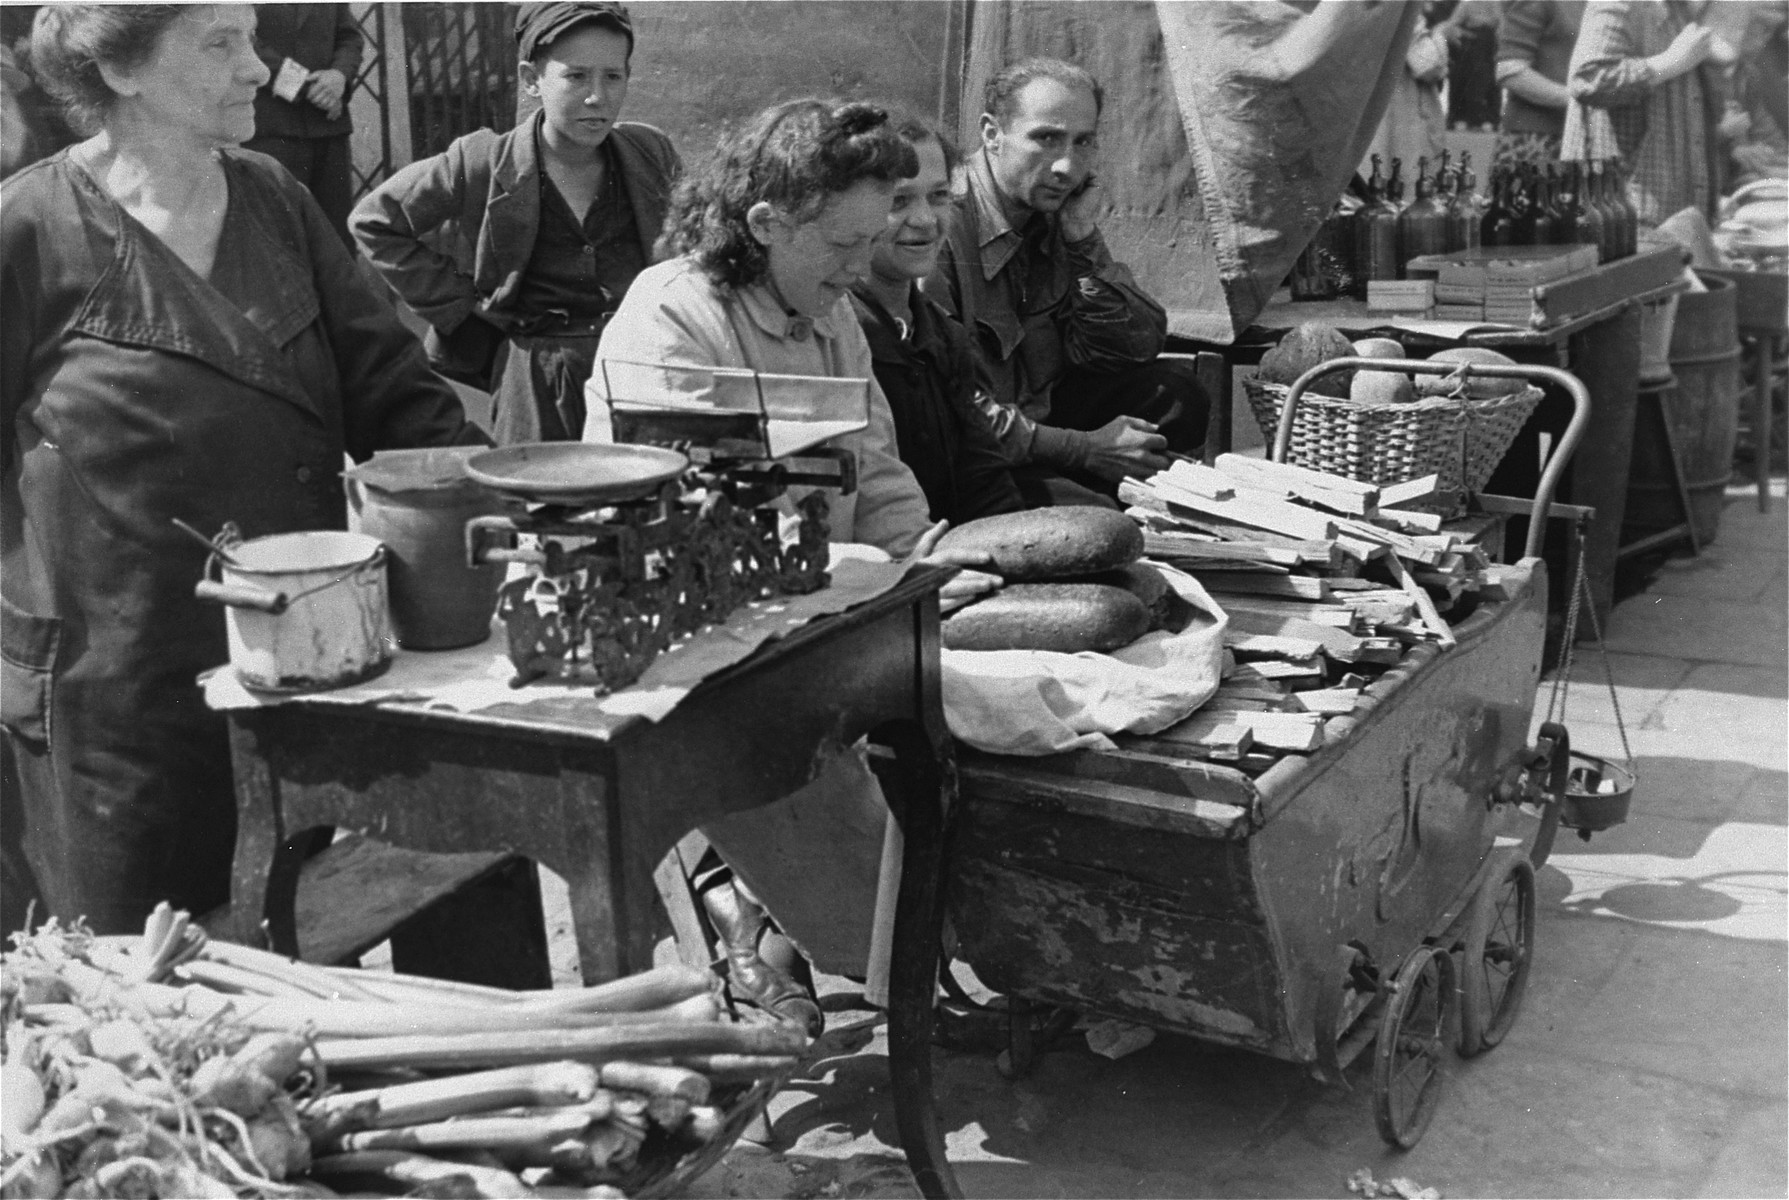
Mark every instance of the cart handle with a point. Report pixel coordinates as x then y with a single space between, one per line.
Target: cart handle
1556 463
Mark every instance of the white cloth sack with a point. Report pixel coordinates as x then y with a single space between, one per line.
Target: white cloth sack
1035 702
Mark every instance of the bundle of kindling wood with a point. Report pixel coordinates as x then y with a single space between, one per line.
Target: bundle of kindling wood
1327 581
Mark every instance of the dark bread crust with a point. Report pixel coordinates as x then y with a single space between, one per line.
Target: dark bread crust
1050 543
1145 583
1068 617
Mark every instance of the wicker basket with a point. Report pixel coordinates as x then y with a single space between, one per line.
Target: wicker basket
1460 440
668 1165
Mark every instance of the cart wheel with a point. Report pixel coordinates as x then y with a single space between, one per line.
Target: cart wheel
1496 954
1412 1045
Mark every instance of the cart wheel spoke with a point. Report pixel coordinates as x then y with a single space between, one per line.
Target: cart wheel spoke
1409 1061
1496 952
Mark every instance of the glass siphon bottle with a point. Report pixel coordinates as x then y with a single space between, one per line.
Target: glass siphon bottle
1564 203
1497 226
1375 235
1422 226
1466 210
1587 215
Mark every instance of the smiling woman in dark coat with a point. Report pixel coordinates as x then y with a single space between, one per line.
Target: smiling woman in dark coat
184 337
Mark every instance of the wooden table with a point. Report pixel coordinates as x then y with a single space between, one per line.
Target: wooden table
600 799
1601 347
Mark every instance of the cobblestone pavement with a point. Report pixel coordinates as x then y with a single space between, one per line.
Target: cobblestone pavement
1650 1056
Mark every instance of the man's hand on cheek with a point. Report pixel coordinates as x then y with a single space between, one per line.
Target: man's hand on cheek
1080 211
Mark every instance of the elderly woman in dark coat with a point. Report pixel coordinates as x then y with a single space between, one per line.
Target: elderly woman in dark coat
185 337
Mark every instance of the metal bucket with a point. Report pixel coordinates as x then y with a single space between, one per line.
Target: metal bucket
418 502
305 611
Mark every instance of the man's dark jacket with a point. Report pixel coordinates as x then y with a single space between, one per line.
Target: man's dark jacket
454 233
929 382
317 37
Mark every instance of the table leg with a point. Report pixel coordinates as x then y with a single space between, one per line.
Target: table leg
677 892
919 790
1766 350
1606 357
264 877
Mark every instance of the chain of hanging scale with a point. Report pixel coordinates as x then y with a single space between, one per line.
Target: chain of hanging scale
1561 692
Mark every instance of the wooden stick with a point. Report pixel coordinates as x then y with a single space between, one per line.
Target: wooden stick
1376 611
1287 520
1336 616
1223 741
1244 468
1268 645
1397 495
1177 546
1328 701
1336 643
1278 730
1410 547
1359 549
1410 520
1383 650
1292 672
1301 587
1312 491
1425 607
1199 479
1224 697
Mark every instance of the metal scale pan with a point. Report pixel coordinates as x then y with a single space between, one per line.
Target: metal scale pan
575 474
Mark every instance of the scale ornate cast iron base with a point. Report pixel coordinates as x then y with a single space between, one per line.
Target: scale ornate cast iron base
611 588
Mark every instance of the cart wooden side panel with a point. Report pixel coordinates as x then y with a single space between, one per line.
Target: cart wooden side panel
1377 838
1192 898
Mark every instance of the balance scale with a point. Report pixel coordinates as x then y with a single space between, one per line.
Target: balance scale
679 521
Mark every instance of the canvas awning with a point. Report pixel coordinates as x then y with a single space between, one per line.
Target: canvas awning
1229 128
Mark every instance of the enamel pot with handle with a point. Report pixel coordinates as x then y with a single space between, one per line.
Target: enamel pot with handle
304 611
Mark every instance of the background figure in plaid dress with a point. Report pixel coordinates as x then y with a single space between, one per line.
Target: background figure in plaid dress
1644 90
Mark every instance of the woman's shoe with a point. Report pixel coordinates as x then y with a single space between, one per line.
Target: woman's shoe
742 923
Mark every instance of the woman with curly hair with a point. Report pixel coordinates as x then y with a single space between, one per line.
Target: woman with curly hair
769 240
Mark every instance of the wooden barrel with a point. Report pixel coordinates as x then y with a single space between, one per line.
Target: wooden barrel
1703 409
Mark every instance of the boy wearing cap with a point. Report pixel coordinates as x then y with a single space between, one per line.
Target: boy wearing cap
517 247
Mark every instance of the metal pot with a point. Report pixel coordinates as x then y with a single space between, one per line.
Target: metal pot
305 611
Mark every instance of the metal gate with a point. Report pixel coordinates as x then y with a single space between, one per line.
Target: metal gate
431 73
461 62
373 160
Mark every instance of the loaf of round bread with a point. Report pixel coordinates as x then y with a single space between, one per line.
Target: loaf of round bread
1142 581
1069 617
1048 543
